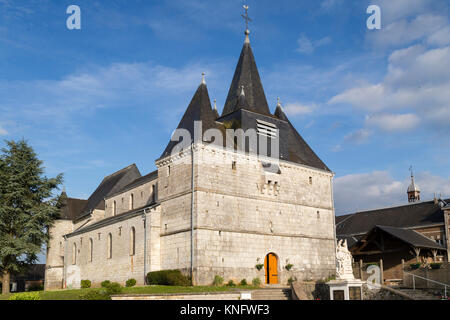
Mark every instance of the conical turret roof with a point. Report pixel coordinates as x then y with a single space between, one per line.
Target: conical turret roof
199 109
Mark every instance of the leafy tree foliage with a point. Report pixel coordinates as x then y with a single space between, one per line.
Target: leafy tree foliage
27 208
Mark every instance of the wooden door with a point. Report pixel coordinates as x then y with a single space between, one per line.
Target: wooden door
271 268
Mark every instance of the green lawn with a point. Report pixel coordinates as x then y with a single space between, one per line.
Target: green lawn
74 294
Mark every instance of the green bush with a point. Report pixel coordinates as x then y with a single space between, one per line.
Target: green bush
256 282
435 265
259 266
218 280
25 296
130 283
85 284
113 288
176 279
231 283
99 294
105 283
243 282
414 265
288 266
38 287
168 278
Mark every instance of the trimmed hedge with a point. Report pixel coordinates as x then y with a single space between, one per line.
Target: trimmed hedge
218 280
85 284
256 282
105 283
130 283
168 278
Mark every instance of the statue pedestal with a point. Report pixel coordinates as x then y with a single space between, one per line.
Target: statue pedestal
345 289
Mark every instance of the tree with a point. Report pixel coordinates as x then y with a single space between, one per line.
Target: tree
27 208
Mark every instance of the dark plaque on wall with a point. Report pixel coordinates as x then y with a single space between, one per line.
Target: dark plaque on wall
338 295
355 293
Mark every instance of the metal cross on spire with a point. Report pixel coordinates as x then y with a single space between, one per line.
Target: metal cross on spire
246 17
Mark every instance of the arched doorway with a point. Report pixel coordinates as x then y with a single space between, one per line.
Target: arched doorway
271 268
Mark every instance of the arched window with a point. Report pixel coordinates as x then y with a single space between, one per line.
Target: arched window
91 249
131 201
109 247
74 253
114 208
132 241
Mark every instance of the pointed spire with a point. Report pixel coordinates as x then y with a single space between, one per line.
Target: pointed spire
279 111
413 190
203 78
247 75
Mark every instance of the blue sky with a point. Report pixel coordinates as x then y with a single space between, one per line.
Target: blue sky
369 102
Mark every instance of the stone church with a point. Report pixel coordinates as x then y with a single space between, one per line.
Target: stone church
211 208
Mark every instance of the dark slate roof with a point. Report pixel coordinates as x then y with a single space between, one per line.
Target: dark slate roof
144 179
71 207
299 150
199 109
246 74
411 237
406 216
110 185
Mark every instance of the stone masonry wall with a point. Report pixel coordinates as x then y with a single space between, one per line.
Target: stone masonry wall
55 254
142 196
122 265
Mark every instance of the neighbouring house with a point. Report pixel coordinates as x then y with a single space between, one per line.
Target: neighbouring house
401 235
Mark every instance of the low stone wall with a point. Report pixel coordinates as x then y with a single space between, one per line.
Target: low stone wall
310 290
182 296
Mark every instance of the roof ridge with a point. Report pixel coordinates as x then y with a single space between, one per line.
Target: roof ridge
390 207
119 171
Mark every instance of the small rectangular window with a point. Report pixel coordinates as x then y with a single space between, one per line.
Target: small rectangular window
233 165
310 180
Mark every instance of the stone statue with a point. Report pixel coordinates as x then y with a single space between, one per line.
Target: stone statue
344 269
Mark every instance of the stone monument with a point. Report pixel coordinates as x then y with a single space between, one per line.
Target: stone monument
345 287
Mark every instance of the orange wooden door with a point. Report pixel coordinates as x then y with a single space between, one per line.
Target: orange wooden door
271 268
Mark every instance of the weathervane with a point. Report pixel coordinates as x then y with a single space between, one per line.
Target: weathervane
246 17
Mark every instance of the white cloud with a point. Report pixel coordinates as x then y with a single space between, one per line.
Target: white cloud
358 137
405 31
417 81
393 122
117 85
440 37
307 46
297 108
3 131
378 189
